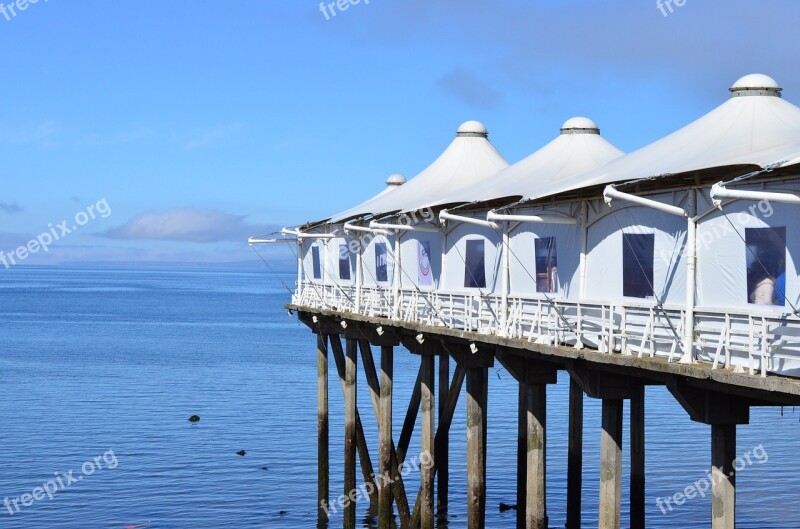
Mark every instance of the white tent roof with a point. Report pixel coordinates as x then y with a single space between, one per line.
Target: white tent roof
579 148
754 127
470 158
392 183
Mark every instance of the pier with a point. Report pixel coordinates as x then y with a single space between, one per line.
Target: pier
719 398
672 266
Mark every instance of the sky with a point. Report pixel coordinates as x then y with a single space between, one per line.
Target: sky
169 132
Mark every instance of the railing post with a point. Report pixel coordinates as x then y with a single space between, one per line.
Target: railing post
506 282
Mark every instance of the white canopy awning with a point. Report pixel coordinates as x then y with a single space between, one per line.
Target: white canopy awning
578 149
754 127
469 159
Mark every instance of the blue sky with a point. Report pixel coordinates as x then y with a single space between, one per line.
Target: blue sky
202 122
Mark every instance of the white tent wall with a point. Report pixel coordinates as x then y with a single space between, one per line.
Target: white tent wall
455 269
606 247
723 257
523 264
313 291
341 262
377 292
476 308
414 275
372 277
726 312
307 253
421 267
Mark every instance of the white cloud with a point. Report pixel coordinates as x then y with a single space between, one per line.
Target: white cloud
11 207
188 225
208 137
31 133
469 88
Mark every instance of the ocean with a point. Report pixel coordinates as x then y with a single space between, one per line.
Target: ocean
101 369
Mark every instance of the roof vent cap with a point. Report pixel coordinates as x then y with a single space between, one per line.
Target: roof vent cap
756 84
472 129
579 125
395 180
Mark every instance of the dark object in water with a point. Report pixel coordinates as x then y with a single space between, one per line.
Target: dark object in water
241 453
264 468
505 507
194 418
283 513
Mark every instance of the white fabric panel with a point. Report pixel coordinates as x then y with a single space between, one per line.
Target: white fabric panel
468 159
308 264
332 262
723 255
522 264
567 155
604 279
410 259
454 267
754 130
368 259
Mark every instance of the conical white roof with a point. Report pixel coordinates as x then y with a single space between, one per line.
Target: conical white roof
754 127
579 148
469 159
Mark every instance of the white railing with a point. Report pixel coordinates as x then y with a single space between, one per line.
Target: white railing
725 338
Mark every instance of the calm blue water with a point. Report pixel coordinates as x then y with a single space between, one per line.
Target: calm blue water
100 360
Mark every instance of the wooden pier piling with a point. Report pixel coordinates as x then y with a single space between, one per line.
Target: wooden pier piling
723 476
611 464
442 448
323 464
385 502
428 438
522 454
637 448
350 393
477 393
575 456
393 479
367 471
721 400
536 497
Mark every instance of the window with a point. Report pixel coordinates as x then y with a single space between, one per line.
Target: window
424 272
475 274
766 266
344 262
381 262
546 265
638 251
315 263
